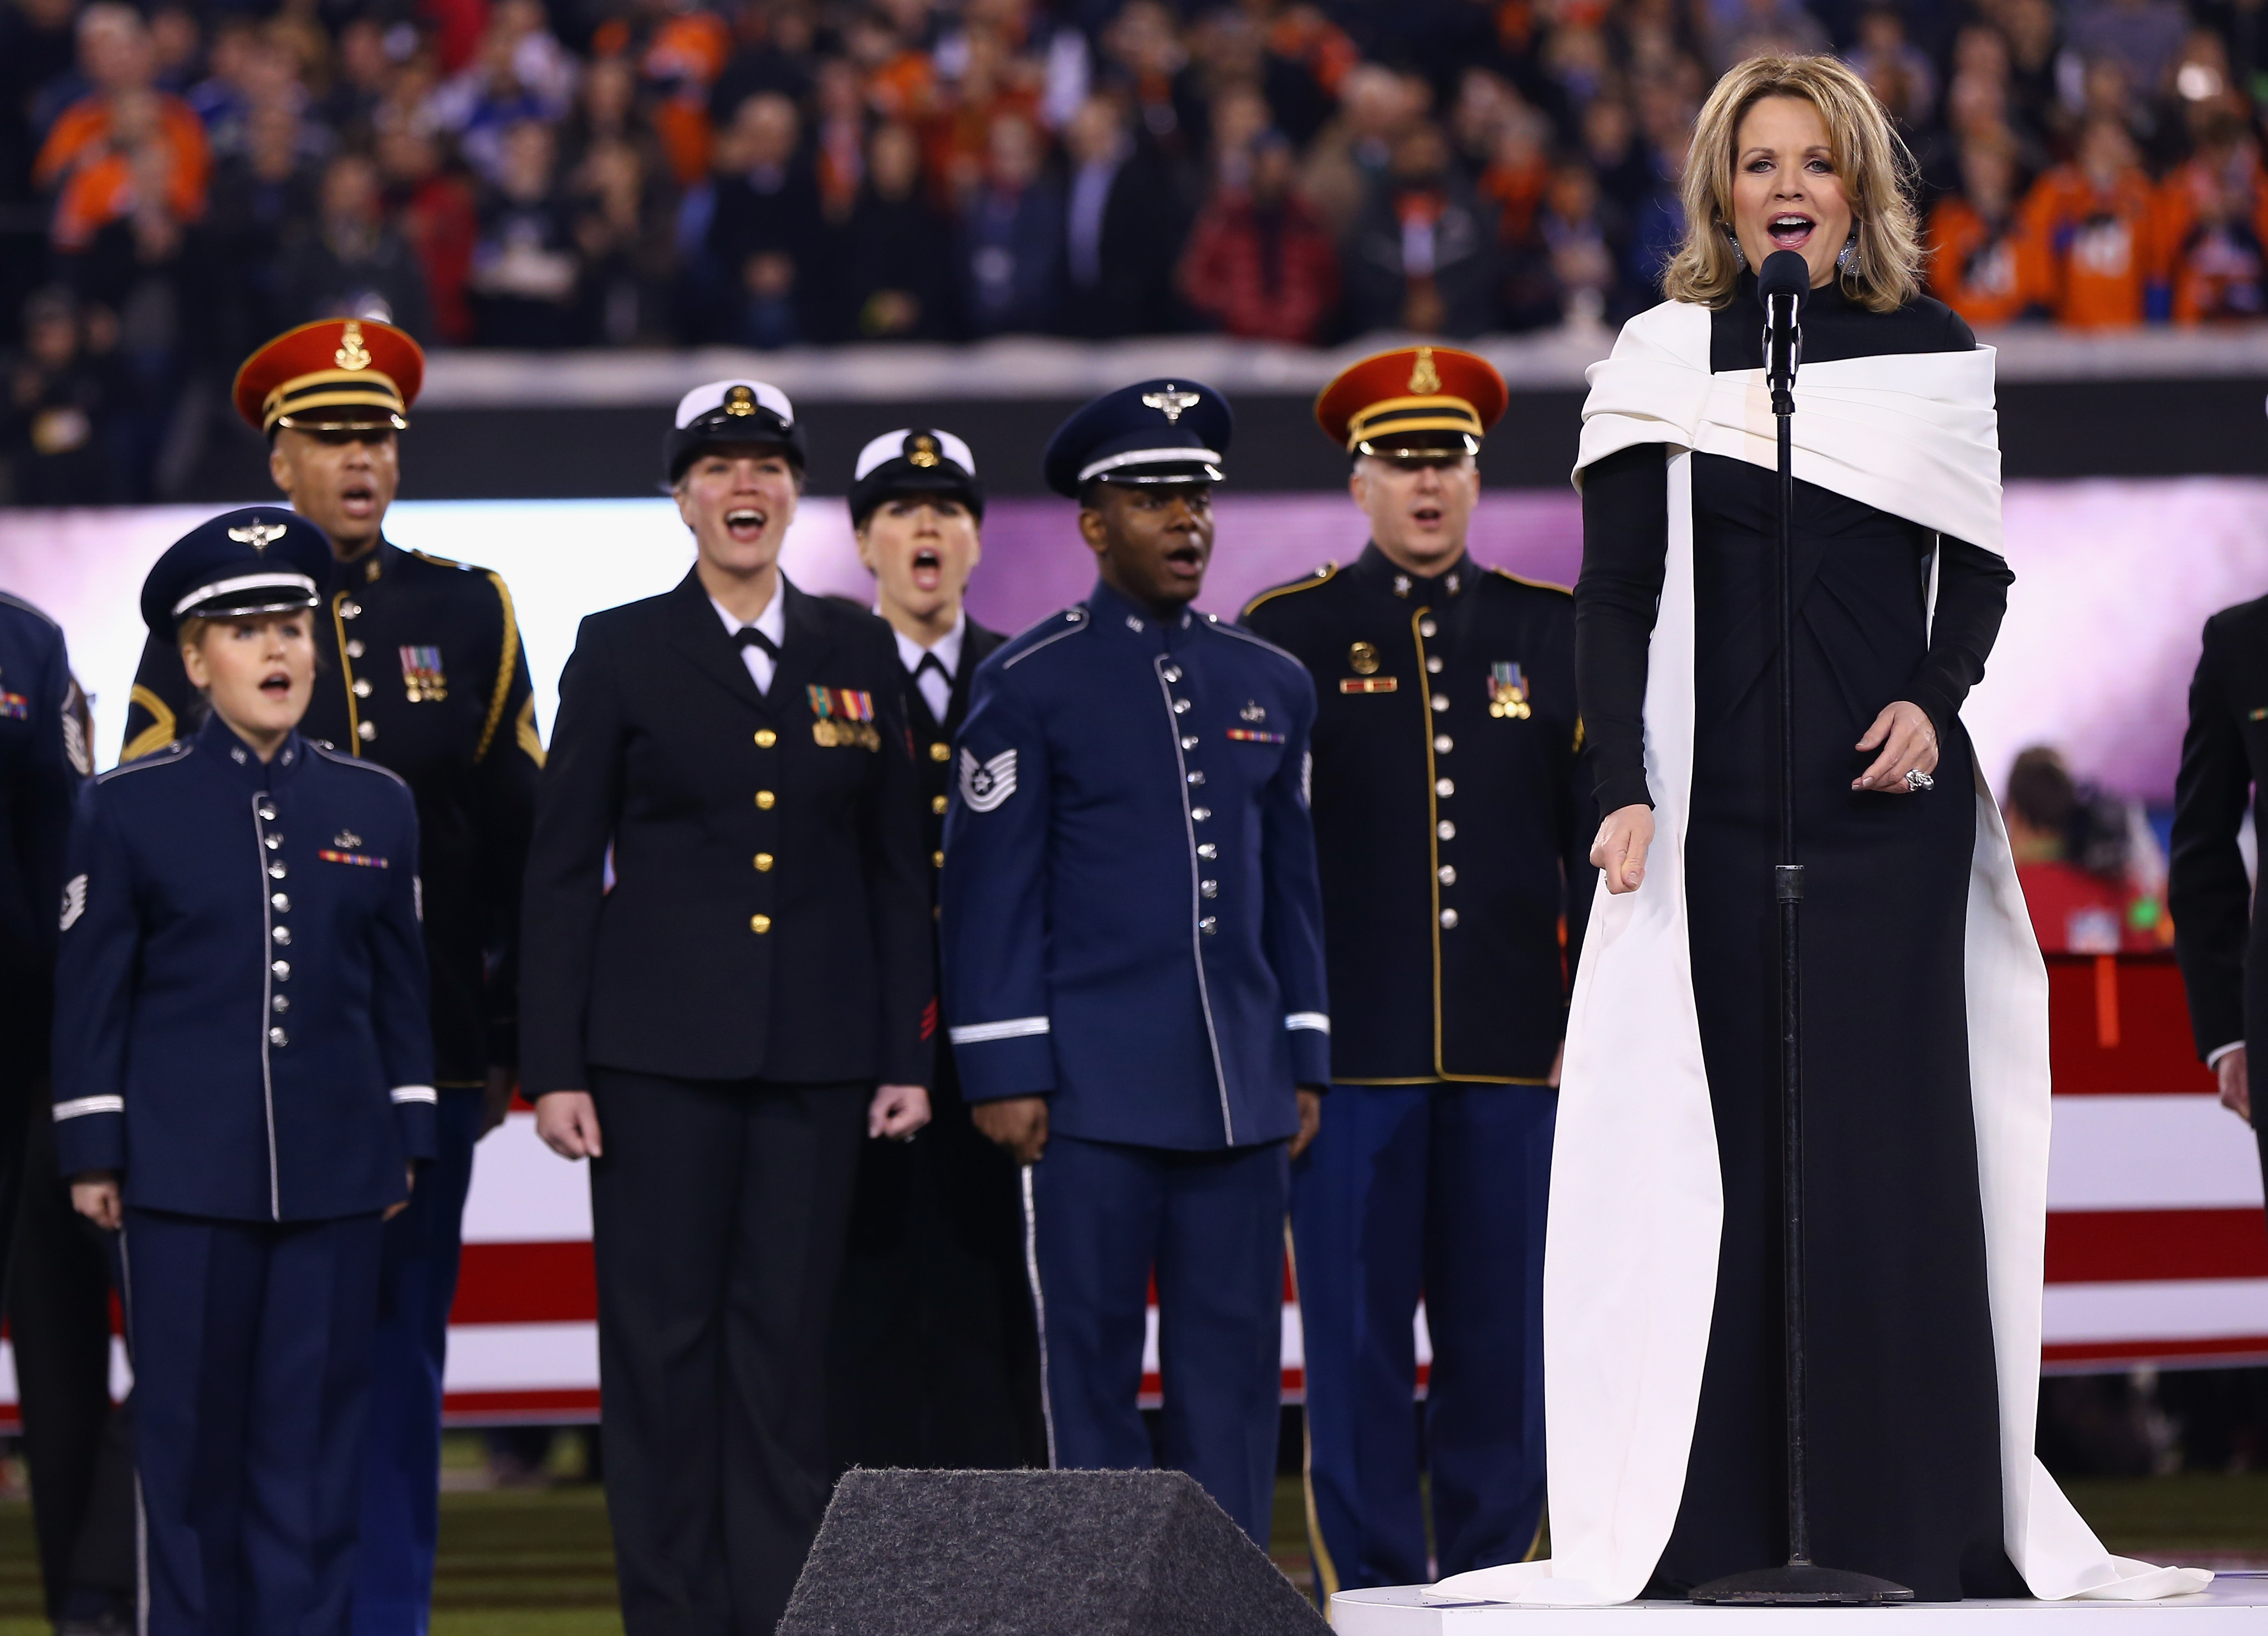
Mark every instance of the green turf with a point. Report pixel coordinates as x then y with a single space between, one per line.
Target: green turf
538 1562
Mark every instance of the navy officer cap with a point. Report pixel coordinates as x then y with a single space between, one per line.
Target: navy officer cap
1152 431
261 560
914 460
728 412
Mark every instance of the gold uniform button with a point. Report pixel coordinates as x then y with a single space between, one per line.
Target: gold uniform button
766 738
765 799
940 751
763 863
937 804
936 859
760 923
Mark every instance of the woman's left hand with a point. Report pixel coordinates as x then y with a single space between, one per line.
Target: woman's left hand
1909 744
897 1110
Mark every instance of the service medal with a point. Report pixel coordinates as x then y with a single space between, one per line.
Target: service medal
1507 692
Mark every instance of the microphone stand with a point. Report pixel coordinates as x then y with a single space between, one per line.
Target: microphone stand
1800 1582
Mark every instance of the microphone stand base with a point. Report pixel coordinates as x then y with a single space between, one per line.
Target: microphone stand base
1799 1585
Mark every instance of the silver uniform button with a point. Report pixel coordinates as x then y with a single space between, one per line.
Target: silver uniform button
1443 744
1433 664
283 970
349 610
1189 741
1448 873
1198 777
282 934
1207 926
1440 701
277 1037
354 648
1172 672
1445 787
276 870
362 687
1208 851
1448 919
366 731
280 903
271 840
1427 628
281 1003
267 813
1181 707
1447 830
1209 888
1200 813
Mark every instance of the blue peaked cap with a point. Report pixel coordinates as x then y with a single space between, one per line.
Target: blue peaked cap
1175 431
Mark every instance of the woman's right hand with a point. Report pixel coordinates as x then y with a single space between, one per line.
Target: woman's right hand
1622 846
94 1195
568 1122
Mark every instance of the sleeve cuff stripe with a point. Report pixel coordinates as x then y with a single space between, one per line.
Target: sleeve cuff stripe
2213 1058
1318 1020
1014 1029
415 1093
80 1107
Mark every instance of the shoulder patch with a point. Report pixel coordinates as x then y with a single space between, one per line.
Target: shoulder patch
1324 575
1534 584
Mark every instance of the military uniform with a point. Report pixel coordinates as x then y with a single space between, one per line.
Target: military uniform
241 1030
1131 930
934 1359
1451 829
2218 937
421 671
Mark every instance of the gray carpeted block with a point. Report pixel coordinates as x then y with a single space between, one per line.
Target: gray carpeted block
1037 1553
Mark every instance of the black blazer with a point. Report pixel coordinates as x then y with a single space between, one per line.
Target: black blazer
2221 944
770 914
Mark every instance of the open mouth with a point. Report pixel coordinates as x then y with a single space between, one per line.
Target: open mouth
1790 230
929 569
745 523
276 686
1425 516
358 499
1186 560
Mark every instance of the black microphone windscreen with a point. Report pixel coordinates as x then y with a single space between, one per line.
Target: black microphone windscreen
1784 272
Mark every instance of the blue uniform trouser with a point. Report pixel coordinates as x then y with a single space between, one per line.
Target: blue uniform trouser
1436 1190
251 1380
402 1473
1101 1217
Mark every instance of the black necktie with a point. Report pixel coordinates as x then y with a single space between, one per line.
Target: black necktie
930 661
748 635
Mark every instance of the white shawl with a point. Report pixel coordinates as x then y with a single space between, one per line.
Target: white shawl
1629 1265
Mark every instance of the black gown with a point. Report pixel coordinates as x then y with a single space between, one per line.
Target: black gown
1904 1407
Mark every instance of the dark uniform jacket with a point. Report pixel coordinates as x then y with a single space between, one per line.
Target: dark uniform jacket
1447 813
43 756
2221 944
933 745
1130 918
421 670
770 914
240 1024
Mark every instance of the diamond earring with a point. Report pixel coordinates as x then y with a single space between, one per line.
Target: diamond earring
1740 256
1847 258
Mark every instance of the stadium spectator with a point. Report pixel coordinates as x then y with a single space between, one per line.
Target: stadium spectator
896 283
1422 256
1011 256
437 211
60 405
353 263
1123 226
123 138
1899 73
2212 221
2141 36
2089 231
1974 267
1354 151
764 258
1259 265
37 41
525 268
2092 886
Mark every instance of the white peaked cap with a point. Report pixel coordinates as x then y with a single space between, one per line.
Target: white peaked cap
892 446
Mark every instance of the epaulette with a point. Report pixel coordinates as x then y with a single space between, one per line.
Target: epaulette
1324 575
178 750
1049 630
1216 623
439 562
1536 585
41 614
344 760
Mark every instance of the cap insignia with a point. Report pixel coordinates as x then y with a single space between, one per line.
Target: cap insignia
1424 380
1171 403
352 353
922 450
740 401
259 537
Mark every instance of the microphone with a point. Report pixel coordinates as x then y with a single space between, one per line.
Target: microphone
1783 284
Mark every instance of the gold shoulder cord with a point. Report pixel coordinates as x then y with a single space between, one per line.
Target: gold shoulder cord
1321 576
157 734
506 659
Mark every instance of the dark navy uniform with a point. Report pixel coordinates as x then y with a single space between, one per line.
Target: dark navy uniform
1132 929
2220 938
242 1032
933 1360
1450 829
422 671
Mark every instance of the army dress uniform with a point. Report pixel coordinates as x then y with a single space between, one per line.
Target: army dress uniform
241 1031
1132 928
421 671
1450 829
934 1360
760 962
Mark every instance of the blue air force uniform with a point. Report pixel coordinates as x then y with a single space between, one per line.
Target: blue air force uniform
1452 836
1132 928
242 1032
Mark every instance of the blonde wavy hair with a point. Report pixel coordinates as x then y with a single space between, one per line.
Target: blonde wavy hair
1874 164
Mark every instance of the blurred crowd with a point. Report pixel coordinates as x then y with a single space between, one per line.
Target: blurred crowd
178 182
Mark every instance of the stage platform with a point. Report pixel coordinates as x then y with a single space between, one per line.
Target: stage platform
2239 1600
